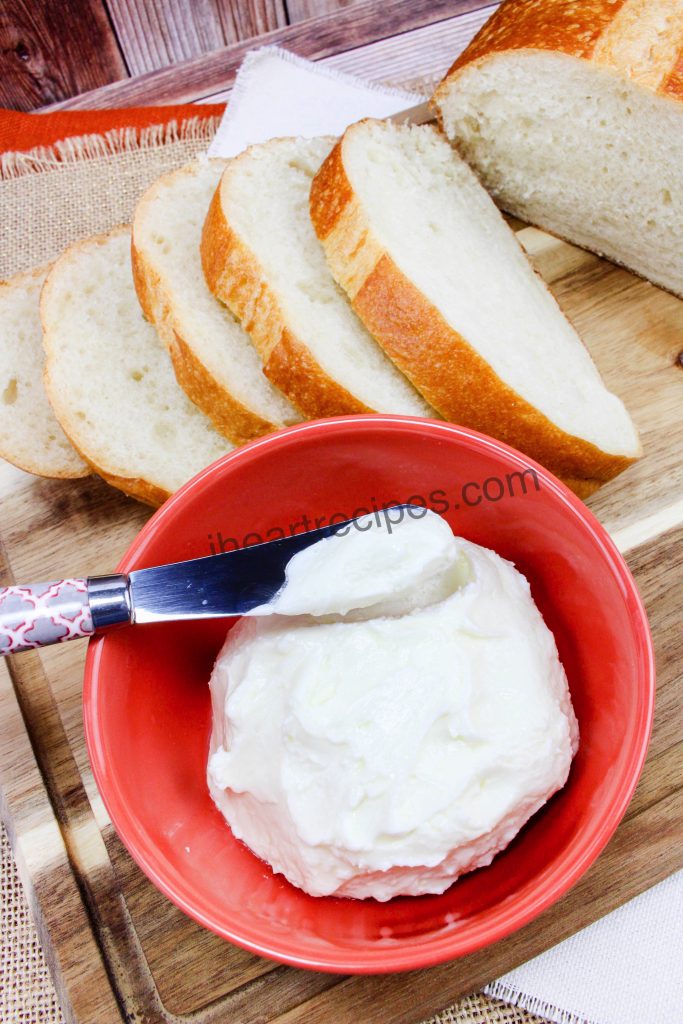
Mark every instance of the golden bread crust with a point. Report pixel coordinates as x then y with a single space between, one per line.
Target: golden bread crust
293 369
233 275
230 417
599 31
132 487
439 362
36 469
461 385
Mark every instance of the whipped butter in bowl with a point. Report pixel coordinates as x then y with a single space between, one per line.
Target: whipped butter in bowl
395 718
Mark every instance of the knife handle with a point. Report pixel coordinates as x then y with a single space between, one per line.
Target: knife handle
41 614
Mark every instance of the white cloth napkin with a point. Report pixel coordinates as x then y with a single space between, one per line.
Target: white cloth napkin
628 967
278 94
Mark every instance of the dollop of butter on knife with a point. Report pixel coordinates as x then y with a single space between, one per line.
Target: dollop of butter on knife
386 563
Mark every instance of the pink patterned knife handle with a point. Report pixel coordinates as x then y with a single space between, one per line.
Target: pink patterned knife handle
43 613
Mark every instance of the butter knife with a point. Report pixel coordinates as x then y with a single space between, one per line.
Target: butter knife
215 586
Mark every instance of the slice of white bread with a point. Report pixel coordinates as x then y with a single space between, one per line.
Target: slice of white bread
214 360
439 278
261 257
109 378
30 436
571 114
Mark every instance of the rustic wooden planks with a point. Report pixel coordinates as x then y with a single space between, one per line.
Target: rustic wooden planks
48 53
326 36
246 20
414 59
299 10
51 56
51 887
156 33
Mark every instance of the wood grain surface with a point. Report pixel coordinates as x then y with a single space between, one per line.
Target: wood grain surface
155 33
329 35
49 51
53 53
50 885
158 964
299 10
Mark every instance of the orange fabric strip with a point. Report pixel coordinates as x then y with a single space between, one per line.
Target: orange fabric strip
20 132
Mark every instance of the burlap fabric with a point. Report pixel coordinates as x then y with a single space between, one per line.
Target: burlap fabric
48 201
26 991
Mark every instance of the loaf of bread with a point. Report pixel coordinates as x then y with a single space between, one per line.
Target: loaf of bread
30 436
440 280
109 378
214 360
261 257
571 115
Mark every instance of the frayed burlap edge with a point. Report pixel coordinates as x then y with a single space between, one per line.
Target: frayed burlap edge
511 996
118 140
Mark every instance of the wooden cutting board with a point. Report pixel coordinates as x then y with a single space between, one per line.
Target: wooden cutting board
117 948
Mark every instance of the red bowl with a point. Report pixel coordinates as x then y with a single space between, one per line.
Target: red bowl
147 709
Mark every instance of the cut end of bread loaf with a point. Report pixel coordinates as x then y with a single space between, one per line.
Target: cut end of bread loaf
262 258
214 360
441 282
576 146
30 436
110 380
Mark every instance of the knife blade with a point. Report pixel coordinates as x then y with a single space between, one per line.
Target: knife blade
214 586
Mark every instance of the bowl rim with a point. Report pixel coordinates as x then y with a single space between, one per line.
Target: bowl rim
441 948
